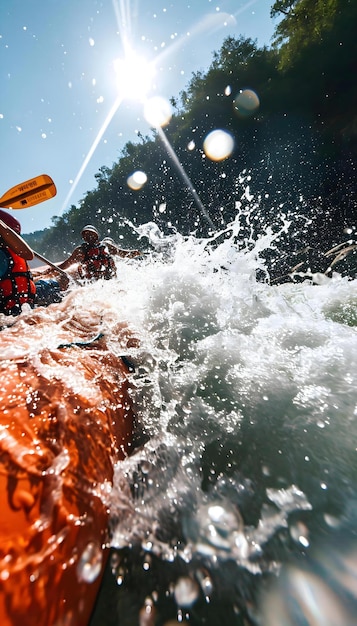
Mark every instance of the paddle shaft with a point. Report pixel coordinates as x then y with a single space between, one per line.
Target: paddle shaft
53 265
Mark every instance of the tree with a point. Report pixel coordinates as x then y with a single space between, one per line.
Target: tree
318 58
305 23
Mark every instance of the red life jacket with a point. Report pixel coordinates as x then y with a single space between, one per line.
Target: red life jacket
97 262
16 286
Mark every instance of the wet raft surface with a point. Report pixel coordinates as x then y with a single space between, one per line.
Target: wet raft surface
65 418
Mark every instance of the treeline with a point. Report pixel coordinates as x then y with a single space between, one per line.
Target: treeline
294 154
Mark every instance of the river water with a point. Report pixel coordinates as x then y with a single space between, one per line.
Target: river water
239 505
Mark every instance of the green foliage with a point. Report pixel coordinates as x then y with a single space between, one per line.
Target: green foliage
283 6
305 25
318 57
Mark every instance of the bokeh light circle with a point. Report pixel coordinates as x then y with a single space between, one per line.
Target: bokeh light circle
137 180
218 145
246 103
157 111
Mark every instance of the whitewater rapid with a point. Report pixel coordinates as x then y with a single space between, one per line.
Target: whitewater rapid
246 399
246 393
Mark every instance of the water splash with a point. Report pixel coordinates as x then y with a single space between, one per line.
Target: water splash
246 391
246 395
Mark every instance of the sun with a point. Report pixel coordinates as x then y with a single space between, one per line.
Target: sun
134 76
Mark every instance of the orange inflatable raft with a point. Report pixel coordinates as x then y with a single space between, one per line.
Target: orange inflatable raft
65 419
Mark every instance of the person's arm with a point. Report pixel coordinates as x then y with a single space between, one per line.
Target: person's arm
113 249
76 257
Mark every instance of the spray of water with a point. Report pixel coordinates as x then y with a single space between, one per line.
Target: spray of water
246 394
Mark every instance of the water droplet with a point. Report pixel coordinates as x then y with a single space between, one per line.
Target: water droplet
332 521
186 591
90 563
300 533
205 582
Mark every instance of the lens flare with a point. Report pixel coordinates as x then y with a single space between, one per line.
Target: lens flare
157 111
136 180
218 145
134 76
246 103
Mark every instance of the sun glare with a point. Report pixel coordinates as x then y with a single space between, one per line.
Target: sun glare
134 76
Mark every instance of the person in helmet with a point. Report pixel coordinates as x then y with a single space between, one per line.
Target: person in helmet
94 257
17 286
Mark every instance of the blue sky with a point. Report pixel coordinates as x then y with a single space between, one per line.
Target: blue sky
58 84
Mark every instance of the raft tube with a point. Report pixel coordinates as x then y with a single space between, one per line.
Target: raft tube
65 420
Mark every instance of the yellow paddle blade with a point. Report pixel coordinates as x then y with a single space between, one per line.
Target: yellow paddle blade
29 193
